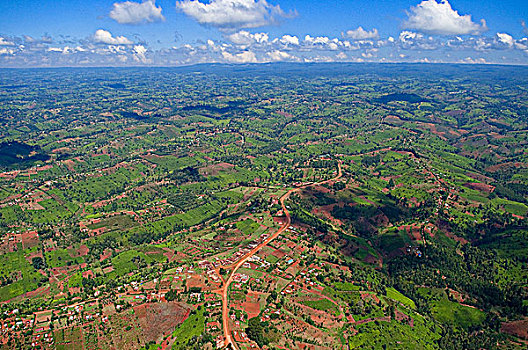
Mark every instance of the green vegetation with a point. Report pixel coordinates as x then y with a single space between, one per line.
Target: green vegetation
17 275
395 295
323 305
191 327
120 210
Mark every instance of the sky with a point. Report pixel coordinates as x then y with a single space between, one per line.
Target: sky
53 33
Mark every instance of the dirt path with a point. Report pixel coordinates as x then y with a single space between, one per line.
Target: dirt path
225 309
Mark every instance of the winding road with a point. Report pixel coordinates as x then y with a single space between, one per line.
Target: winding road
228 341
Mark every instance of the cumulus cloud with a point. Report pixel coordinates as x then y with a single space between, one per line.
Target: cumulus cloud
45 39
229 15
139 54
438 17
361 34
102 36
5 42
289 40
246 38
409 37
323 42
105 49
505 39
67 49
522 44
413 40
501 41
242 57
471 60
278 56
130 12
6 51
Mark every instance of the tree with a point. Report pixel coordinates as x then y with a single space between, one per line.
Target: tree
38 263
255 331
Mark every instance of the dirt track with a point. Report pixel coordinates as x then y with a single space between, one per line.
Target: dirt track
225 287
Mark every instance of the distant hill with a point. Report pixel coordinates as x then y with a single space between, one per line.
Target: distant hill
412 98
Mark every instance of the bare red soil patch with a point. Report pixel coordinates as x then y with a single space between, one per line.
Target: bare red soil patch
82 250
401 317
70 164
456 238
516 328
159 319
278 253
30 239
215 168
251 305
371 296
480 187
106 254
44 290
504 166
196 281
179 256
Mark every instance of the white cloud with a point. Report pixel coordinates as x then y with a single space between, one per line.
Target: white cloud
506 39
326 43
316 40
105 37
46 39
409 37
242 57
522 44
246 38
105 49
278 56
289 39
4 42
66 49
139 54
130 12
361 34
55 49
413 40
482 44
228 15
6 51
501 41
431 16
471 60
323 42
320 58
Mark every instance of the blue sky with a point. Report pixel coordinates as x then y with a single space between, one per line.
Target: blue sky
163 32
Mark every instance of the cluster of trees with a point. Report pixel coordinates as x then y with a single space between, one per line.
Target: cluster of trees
256 331
299 215
474 271
186 175
38 263
171 295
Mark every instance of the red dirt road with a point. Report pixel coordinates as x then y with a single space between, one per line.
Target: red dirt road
225 309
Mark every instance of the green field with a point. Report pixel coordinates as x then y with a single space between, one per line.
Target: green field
15 267
62 257
323 305
191 327
453 313
395 295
